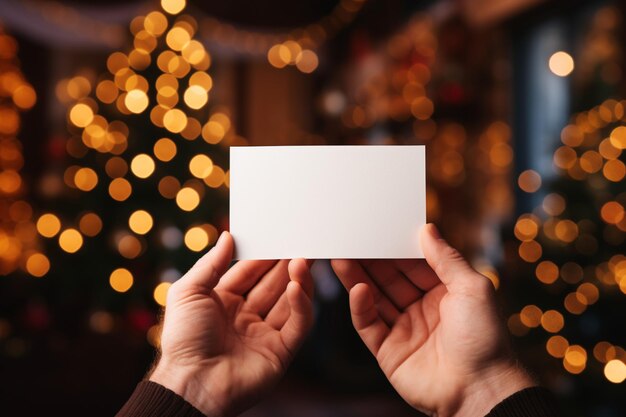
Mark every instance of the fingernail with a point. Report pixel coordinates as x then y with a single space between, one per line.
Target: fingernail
434 232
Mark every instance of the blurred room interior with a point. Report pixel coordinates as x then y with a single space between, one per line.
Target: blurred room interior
116 119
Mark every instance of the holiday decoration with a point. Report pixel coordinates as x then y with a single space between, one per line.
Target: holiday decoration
142 176
567 268
575 241
18 236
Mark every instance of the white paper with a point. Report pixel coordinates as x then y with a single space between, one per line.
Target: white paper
327 202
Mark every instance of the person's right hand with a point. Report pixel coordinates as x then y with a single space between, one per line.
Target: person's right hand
434 331
229 334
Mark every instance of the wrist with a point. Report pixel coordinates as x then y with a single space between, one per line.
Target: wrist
490 387
188 384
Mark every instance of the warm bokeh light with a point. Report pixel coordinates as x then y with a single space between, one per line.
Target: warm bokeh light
107 91
140 222
574 303
85 179
142 165
173 6
531 316
81 115
121 280
175 120
564 157
70 240
600 351
618 137
547 272
195 97
529 181
90 224
612 212
575 359
566 230
155 22
120 189
530 251
201 166
307 61
160 293
216 177
526 229
556 346
136 101
177 38
614 170
24 97
116 167
196 239
154 335
48 225
202 79
187 199
37 265
589 292
615 371
278 56
213 132
165 149
129 246
169 187
552 321
561 64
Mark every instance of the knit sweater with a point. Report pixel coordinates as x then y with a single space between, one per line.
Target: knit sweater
153 400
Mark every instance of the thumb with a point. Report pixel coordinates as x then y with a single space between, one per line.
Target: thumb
447 262
207 271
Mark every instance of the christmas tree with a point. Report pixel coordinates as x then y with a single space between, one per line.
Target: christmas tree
18 237
573 243
144 184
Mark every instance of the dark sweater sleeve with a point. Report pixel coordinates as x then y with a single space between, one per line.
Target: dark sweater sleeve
529 402
153 400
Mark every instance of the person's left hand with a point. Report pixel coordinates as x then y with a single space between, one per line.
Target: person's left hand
229 335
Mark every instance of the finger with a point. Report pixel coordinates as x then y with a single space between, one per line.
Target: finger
447 262
420 274
279 314
266 293
351 273
299 272
391 281
244 275
300 317
366 319
207 271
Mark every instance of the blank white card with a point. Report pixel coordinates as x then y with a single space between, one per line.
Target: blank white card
320 202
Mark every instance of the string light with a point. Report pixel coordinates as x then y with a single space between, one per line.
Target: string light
561 64
121 280
294 48
160 293
19 246
176 100
587 154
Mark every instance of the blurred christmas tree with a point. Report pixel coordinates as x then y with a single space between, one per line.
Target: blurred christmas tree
18 237
574 242
145 189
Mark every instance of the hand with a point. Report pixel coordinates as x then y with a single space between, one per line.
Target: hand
228 336
434 332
